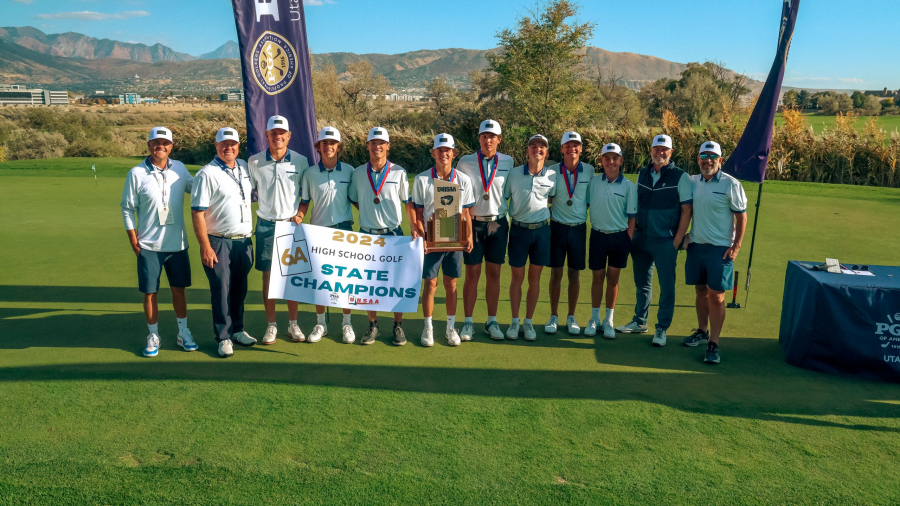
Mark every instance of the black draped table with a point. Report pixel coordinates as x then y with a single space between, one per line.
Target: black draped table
841 323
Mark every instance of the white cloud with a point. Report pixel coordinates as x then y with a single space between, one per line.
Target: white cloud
315 2
850 80
22 1
93 16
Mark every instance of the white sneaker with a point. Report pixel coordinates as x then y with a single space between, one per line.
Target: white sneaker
591 329
242 338
530 334
225 348
468 331
152 348
608 331
316 335
572 325
552 325
513 331
347 334
427 337
186 340
659 339
296 334
453 338
632 328
493 330
270 335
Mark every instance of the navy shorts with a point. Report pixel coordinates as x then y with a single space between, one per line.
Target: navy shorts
489 240
151 263
609 248
568 241
705 266
265 241
344 225
450 262
529 245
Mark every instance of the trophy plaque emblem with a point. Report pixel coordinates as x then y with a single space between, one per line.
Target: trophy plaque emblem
446 228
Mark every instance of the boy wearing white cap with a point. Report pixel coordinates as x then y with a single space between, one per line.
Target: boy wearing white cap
153 212
664 213
613 201
568 232
276 173
450 262
488 170
530 190
380 190
220 208
327 185
717 230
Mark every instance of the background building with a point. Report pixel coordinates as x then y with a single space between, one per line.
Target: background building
20 95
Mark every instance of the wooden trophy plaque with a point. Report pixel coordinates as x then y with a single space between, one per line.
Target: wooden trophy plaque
447 230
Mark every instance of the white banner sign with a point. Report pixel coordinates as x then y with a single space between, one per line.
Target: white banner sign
328 267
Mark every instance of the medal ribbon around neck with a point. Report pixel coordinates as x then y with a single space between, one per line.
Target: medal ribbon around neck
570 189
485 182
386 171
434 174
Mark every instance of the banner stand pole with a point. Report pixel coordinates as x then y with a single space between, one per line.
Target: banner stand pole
752 244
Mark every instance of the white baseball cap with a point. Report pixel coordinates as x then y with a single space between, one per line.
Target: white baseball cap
611 148
329 134
277 122
160 133
662 140
538 137
378 133
711 147
444 141
570 136
227 134
490 126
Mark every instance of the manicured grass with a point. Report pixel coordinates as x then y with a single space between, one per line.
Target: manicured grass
820 122
88 420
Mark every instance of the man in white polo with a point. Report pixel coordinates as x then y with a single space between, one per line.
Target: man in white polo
530 190
488 171
613 204
568 231
223 223
717 230
380 190
153 212
327 185
450 262
276 173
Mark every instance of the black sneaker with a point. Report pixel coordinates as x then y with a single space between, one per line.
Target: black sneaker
399 335
371 334
712 354
698 337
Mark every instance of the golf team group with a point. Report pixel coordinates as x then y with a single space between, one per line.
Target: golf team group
533 215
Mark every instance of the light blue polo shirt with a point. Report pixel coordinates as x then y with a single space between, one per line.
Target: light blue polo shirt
328 190
529 195
576 214
715 203
496 203
612 202
388 213
278 183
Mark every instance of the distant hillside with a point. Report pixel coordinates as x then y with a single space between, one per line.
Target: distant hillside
228 50
71 44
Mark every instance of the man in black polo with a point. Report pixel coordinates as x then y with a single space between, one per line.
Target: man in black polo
664 213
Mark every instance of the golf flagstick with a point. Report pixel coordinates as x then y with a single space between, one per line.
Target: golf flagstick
94 170
752 243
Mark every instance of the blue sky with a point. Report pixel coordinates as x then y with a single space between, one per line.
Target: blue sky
835 46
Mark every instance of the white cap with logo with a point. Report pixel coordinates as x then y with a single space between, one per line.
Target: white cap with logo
611 148
444 141
569 137
538 138
227 134
662 140
160 133
378 134
277 122
490 126
329 133
711 147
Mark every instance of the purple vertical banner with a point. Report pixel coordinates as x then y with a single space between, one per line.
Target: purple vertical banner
751 155
276 73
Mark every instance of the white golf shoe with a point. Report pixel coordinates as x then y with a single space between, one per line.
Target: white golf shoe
226 349
152 348
493 330
528 331
347 334
243 338
552 325
296 334
427 339
512 332
609 332
186 340
468 331
591 329
316 335
453 338
572 326
270 335
659 338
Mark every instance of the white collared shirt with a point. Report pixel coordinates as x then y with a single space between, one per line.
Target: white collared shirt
388 213
529 194
218 195
278 183
496 203
328 190
715 203
423 191
561 211
612 202
149 189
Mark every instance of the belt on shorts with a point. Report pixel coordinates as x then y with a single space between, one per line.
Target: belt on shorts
608 232
378 231
232 237
487 219
568 224
530 226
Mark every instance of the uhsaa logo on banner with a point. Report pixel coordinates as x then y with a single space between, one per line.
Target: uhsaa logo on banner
293 256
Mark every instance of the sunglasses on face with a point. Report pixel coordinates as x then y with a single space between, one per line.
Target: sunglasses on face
710 157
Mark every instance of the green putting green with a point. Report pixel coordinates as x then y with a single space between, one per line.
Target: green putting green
88 420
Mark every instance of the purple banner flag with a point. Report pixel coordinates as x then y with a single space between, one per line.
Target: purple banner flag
751 155
275 67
